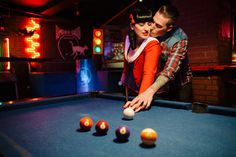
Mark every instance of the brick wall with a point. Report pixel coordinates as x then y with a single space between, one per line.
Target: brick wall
16 42
207 24
206 89
204 22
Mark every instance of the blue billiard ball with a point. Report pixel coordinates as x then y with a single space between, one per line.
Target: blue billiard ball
122 133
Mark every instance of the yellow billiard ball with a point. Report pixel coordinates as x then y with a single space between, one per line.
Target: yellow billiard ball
148 136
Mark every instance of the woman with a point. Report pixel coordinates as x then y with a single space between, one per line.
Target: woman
142 53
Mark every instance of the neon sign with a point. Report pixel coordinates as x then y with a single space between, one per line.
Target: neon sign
33 40
8 53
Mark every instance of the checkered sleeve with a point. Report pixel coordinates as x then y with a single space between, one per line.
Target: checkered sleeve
175 56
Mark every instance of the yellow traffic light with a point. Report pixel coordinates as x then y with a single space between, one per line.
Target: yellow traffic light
97 41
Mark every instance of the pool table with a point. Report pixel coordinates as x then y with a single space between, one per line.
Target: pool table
50 128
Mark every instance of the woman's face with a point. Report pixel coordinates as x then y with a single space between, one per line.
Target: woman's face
142 30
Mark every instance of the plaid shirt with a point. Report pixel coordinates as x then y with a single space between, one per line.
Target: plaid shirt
174 62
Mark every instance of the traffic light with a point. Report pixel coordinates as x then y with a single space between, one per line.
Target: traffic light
97 41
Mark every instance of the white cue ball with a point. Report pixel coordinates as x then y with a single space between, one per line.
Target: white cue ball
128 113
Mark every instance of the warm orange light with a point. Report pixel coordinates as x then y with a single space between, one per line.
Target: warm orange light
97 41
98 33
33 44
10 102
8 53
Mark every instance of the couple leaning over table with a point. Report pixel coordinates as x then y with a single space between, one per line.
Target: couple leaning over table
156 60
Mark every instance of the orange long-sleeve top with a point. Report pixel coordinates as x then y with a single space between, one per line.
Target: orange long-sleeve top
140 69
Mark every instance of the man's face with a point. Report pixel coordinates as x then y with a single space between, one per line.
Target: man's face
160 25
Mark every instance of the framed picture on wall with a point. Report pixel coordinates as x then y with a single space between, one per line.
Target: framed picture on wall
114 38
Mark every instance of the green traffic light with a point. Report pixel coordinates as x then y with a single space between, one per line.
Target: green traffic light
97 49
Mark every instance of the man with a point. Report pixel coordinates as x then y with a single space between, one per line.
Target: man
175 72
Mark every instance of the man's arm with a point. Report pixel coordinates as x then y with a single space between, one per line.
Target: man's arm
159 83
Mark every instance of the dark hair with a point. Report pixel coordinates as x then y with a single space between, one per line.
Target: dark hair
138 15
132 39
170 12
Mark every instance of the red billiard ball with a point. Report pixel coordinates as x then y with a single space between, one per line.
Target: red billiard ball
122 133
102 127
148 136
86 123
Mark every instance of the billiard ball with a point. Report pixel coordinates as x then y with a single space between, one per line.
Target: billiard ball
148 136
102 127
86 123
128 113
122 133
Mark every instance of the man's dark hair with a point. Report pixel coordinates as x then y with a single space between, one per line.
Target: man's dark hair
170 12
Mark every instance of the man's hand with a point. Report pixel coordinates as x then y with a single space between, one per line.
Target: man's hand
142 101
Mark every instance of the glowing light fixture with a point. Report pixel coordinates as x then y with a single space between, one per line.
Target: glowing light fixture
97 33
8 53
33 40
97 41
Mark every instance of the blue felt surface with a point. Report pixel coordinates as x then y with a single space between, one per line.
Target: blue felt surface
52 130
